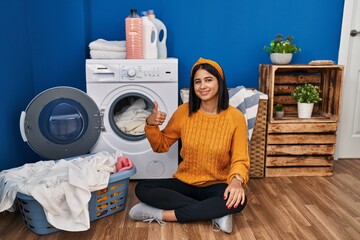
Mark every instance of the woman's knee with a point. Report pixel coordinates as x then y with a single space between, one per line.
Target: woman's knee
140 188
144 187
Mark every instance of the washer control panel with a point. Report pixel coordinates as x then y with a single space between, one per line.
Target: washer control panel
138 72
141 70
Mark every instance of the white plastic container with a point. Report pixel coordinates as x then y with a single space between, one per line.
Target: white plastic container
134 36
150 38
162 34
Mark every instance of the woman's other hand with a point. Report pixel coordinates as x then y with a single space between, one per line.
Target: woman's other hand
234 194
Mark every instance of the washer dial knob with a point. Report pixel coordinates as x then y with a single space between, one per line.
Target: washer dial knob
131 72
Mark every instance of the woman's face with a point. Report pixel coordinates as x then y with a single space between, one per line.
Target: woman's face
206 85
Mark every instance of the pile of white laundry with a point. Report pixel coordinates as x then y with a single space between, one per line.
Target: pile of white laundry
104 49
131 118
62 187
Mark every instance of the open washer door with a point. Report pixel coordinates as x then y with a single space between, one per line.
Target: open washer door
61 122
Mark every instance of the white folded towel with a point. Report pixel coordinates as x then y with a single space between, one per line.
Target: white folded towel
105 45
99 54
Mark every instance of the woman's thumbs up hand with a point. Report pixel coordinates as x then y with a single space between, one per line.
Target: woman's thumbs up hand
156 117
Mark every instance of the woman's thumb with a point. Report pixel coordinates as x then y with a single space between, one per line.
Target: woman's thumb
156 106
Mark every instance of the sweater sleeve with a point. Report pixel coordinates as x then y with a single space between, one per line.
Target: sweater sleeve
161 141
240 160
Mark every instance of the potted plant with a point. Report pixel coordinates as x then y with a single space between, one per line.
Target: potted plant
306 95
279 111
281 50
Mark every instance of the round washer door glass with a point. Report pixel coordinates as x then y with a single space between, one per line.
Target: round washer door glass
62 122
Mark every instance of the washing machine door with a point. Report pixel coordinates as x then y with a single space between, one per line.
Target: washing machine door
61 122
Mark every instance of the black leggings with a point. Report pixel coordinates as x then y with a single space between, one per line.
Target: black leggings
190 203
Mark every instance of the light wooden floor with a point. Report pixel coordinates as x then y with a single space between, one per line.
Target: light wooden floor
278 208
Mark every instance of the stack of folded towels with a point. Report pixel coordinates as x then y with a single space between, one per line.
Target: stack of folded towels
100 49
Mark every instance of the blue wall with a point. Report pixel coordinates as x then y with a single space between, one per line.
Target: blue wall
45 43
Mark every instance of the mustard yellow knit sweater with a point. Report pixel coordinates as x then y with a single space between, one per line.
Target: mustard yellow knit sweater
214 147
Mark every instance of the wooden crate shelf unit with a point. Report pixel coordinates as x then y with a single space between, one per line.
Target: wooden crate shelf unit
279 81
301 147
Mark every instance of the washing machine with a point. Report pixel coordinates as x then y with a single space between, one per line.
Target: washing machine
63 122
117 85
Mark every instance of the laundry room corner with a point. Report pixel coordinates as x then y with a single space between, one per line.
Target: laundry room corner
158 119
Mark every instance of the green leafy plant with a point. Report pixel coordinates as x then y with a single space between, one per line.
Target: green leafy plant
278 107
281 45
306 93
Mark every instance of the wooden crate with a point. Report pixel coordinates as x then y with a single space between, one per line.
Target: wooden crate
301 147
279 81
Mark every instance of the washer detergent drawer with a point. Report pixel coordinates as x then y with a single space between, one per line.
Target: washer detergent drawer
102 72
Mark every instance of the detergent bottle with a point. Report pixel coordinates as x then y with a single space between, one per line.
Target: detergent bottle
150 38
133 30
162 34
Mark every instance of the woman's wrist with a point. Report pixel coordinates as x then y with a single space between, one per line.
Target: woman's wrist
239 178
146 122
